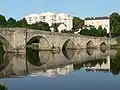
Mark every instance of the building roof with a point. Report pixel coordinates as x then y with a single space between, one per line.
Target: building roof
96 18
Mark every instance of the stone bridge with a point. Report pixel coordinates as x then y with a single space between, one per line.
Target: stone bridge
15 40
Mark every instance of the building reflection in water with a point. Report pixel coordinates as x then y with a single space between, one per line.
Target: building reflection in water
54 63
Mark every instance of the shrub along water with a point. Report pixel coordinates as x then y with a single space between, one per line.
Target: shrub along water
94 32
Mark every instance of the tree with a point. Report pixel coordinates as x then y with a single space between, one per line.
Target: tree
40 25
11 22
77 23
115 64
115 24
94 32
2 21
100 30
84 32
104 32
46 26
22 23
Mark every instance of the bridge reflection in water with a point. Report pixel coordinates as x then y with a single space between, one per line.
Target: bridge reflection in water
46 63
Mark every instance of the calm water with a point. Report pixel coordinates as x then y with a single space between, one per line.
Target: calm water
85 69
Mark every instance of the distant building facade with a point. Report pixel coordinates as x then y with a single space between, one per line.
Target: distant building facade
104 22
51 18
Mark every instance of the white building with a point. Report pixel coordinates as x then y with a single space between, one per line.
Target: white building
61 27
51 18
104 22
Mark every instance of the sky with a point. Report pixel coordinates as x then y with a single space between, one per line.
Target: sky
80 8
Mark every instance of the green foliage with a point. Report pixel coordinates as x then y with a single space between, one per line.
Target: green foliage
11 22
33 56
104 32
70 32
77 23
115 24
40 25
21 23
3 87
3 21
115 64
94 32
84 32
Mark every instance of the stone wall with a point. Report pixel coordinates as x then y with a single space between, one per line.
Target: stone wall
15 39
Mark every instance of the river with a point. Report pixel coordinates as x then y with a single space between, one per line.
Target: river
85 69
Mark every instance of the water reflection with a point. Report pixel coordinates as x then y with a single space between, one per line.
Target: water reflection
47 63
69 54
89 51
33 57
115 64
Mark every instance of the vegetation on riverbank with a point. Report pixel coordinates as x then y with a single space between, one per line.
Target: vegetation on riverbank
3 87
22 24
94 32
77 24
115 24
115 64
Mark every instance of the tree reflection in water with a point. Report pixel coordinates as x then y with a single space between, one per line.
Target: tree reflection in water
33 56
89 51
69 54
1 53
115 64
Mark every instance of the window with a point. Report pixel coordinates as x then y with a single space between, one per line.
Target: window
44 17
30 18
35 18
106 25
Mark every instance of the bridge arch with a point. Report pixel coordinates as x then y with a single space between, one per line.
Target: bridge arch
90 51
40 41
33 57
103 47
89 44
68 45
6 45
69 54
5 60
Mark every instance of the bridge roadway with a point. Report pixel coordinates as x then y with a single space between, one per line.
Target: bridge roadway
16 65
15 40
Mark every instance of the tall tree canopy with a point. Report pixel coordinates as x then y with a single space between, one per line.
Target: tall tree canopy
77 23
3 21
11 22
100 32
115 24
22 23
40 25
